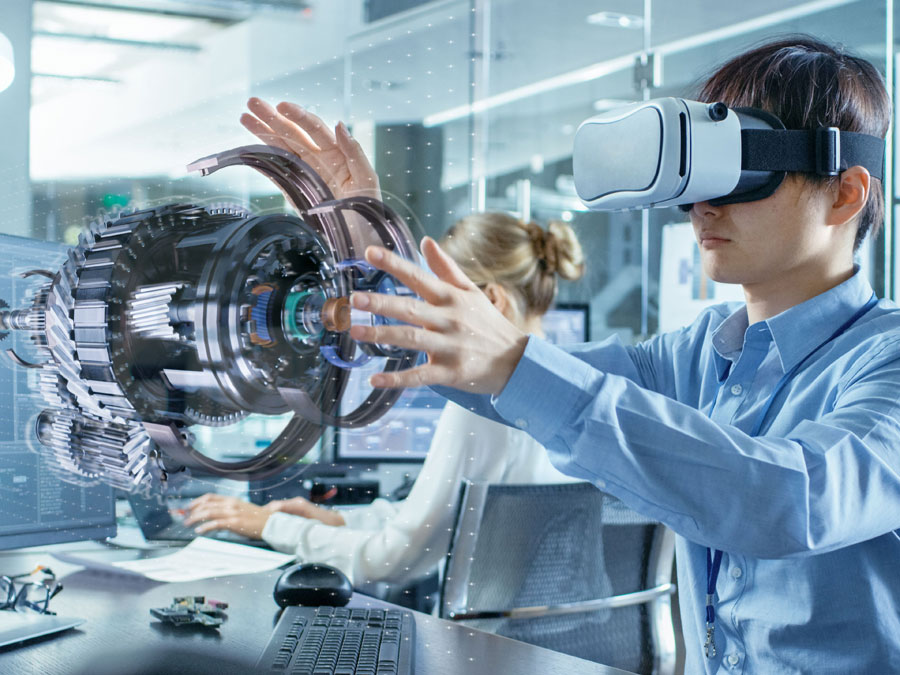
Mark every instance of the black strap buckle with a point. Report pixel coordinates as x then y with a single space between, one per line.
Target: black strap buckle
828 151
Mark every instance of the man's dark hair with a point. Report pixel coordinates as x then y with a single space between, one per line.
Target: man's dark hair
809 84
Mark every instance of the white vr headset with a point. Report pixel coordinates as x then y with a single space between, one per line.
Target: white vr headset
675 152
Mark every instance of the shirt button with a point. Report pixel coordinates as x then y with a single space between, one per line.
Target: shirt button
736 572
736 389
521 423
733 660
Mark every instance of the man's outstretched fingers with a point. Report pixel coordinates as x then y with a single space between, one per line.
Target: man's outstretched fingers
405 337
317 130
263 132
443 265
282 125
406 309
419 376
357 162
284 134
410 274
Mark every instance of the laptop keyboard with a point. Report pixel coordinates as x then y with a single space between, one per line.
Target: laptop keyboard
341 641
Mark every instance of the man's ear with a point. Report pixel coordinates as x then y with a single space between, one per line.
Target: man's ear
851 196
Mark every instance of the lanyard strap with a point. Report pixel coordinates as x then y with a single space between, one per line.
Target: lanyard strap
793 371
714 560
713 563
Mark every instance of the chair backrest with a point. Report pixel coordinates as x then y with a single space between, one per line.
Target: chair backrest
549 548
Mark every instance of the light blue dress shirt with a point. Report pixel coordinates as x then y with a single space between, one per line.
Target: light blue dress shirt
807 513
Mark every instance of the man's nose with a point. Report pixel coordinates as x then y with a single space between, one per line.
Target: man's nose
706 209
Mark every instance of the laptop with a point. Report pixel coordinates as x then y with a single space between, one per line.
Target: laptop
20 626
157 524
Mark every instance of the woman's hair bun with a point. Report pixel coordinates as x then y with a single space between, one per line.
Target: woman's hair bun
496 247
562 253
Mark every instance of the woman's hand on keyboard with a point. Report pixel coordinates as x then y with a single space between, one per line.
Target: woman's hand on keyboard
298 506
219 512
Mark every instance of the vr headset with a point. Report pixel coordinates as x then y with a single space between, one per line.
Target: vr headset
675 152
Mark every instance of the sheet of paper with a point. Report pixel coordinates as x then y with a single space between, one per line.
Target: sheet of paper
92 563
203 558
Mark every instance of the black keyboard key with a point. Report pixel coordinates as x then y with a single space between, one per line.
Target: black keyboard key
390 648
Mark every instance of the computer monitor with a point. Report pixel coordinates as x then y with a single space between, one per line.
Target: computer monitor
404 433
36 506
567 323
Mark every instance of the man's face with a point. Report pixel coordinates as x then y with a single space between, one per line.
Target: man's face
764 240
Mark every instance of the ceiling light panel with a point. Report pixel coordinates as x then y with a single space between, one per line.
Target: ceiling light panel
72 58
616 20
118 24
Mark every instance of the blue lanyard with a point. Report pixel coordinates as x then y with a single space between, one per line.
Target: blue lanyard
714 559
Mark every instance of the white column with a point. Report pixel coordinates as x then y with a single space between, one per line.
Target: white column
15 106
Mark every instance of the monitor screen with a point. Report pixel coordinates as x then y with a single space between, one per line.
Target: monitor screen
36 505
567 324
404 433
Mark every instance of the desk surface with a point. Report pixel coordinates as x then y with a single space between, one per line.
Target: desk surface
117 610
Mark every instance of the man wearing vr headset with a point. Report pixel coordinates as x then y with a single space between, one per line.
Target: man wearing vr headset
767 437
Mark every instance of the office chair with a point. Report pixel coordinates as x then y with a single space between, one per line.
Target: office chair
566 567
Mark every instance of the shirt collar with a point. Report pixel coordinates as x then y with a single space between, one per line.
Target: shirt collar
803 328
796 331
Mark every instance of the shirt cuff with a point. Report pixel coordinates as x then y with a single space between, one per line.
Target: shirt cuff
542 394
282 531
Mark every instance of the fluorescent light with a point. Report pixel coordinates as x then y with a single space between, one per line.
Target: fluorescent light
80 59
7 65
578 76
616 20
110 22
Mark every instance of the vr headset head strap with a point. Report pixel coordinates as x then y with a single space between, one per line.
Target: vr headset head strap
825 151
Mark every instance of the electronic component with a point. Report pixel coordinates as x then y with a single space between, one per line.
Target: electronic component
182 315
192 610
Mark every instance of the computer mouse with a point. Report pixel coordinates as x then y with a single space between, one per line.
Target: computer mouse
312 584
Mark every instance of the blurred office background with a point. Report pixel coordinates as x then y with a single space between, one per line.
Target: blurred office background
462 104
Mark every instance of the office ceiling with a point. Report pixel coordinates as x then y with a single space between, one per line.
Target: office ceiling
143 90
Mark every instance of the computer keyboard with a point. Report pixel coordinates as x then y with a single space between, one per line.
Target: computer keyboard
341 641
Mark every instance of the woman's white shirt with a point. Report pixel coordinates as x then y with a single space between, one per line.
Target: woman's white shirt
401 541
